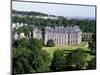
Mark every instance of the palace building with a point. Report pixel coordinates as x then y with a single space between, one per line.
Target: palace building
60 35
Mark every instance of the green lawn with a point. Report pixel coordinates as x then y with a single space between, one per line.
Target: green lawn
66 48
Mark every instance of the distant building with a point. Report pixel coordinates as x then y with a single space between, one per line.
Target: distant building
22 35
47 17
61 35
17 25
19 36
86 36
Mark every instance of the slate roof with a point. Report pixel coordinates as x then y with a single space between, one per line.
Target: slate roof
70 29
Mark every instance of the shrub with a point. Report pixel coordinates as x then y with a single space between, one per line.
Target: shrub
50 43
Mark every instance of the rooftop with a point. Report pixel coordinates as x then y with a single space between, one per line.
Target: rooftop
71 29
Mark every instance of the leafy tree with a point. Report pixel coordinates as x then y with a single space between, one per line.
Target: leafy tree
15 43
50 43
24 29
20 62
32 44
42 42
24 43
20 43
78 59
40 61
35 44
27 61
92 46
92 64
59 61
15 19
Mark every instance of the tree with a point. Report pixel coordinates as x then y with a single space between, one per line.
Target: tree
20 43
35 44
50 43
78 59
92 46
24 43
92 64
32 44
40 61
24 29
22 51
59 61
20 62
27 61
15 43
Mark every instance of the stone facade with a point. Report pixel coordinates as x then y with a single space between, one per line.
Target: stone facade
86 36
61 35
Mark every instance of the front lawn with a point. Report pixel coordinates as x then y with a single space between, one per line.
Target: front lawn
66 47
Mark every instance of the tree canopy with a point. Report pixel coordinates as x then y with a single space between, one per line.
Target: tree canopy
50 43
78 59
28 56
59 61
